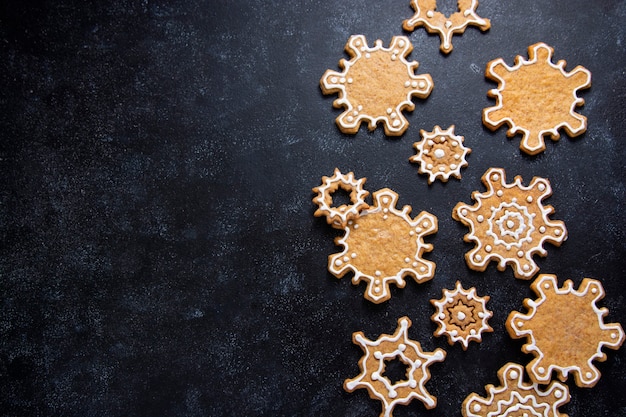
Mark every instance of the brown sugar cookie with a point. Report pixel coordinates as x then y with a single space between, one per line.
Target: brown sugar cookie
426 15
383 245
565 330
514 397
338 216
536 98
397 347
376 85
441 154
461 315
509 224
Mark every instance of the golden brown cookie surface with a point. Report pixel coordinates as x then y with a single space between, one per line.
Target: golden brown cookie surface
379 352
376 85
536 98
565 330
509 224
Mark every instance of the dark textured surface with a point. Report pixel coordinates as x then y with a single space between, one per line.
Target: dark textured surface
159 251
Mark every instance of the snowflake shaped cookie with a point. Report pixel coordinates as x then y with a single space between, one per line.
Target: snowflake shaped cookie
376 85
383 245
565 330
516 398
461 315
441 154
536 98
338 216
389 348
426 15
509 224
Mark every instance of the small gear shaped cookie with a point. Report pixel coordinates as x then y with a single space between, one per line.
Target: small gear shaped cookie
509 224
536 98
441 154
376 85
383 245
388 348
426 15
461 315
565 330
338 216
514 397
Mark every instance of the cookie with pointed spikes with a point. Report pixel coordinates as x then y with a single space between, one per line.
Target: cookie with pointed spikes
441 154
338 216
376 85
426 15
461 315
565 330
514 397
396 347
536 98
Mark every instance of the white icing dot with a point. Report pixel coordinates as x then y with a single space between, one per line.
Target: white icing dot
473 332
613 335
394 57
385 217
594 290
368 55
558 393
510 224
350 80
481 314
360 107
411 233
377 282
356 226
333 80
401 43
396 51
448 24
392 393
375 376
378 273
546 286
346 259
541 187
499 193
461 315
542 229
349 118
457 156
488 248
478 258
423 269
520 254
442 316
415 264
476 408
589 375
513 375
557 232
520 324
393 116
413 383
425 224
386 200
464 212
429 166
526 267
480 218
529 198
389 110
401 347
407 260
442 168
430 13
377 289
454 333
385 210
439 153
452 166
338 262
342 80
353 255
430 142
541 370
407 83
421 84
495 177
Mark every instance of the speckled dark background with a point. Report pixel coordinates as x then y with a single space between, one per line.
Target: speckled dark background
159 252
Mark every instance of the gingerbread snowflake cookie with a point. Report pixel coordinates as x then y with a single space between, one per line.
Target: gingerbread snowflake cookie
441 154
383 245
509 224
426 15
536 98
388 348
461 315
565 330
514 397
376 85
338 216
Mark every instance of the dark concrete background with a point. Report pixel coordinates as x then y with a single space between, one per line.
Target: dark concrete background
159 251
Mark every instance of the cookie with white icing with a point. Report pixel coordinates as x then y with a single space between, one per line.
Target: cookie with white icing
536 98
509 224
374 376
427 16
441 154
338 216
461 315
565 330
514 397
376 85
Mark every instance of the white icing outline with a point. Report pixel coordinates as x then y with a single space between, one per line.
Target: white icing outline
449 299
335 216
395 123
423 148
424 15
520 395
384 205
479 257
513 127
548 283
401 339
